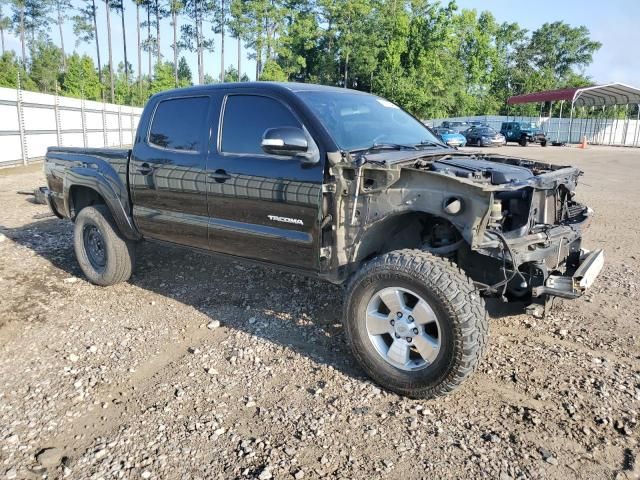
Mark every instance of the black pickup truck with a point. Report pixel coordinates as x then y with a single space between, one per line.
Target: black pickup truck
347 187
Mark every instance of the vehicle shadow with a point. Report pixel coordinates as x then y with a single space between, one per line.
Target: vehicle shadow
293 311
290 310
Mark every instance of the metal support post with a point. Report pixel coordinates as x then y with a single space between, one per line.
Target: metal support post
23 136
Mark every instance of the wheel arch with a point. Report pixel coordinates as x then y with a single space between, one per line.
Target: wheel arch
398 231
94 190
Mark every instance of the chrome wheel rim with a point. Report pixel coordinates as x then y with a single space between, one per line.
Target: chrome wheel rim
403 328
95 247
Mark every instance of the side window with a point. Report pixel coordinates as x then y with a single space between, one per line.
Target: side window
246 117
178 124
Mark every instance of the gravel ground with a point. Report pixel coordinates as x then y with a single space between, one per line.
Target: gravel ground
202 368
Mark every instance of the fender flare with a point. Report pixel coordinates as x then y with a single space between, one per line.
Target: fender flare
110 187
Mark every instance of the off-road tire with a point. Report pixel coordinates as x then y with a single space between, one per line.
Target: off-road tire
524 141
120 252
454 299
543 143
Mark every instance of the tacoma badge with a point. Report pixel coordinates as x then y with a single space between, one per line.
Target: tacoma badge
276 218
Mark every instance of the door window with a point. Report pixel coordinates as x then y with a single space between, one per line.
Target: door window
178 124
246 117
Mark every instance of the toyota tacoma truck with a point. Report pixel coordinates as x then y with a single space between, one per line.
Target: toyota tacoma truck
346 187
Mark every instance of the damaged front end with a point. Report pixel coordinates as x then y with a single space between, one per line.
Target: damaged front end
534 231
512 224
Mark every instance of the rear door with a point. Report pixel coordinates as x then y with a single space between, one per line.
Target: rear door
168 172
262 206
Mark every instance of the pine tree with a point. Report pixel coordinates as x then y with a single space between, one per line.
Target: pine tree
175 8
184 73
85 26
80 80
10 66
5 24
163 78
46 65
192 35
62 7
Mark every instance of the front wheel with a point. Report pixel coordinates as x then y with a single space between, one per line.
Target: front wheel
524 141
105 257
416 323
543 143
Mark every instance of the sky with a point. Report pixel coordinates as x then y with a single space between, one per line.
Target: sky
614 23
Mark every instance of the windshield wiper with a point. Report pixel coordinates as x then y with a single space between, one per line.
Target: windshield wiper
429 143
385 146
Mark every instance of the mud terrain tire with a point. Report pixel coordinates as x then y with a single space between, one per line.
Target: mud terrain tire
459 310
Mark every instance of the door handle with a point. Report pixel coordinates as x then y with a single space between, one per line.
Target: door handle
220 176
145 169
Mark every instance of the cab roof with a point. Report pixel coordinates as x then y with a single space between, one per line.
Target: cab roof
266 86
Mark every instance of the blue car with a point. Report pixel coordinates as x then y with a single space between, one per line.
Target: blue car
451 137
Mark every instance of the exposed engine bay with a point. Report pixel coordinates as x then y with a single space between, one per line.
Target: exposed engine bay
512 224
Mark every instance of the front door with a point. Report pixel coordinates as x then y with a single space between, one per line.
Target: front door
168 172
262 206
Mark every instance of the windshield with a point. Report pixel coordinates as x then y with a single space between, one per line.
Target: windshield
356 121
445 131
528 125
487 131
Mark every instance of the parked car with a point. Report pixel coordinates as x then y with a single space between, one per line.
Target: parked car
484 137
343 186
455 125
451 137
523 133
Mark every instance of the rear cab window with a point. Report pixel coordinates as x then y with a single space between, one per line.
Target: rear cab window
180 124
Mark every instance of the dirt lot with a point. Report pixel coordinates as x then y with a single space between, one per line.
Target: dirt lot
139 381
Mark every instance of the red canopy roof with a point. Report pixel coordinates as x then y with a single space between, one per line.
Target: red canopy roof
597 95
548 96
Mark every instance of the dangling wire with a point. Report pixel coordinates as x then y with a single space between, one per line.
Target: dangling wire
504 283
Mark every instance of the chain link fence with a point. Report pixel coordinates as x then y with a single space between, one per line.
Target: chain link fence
598 130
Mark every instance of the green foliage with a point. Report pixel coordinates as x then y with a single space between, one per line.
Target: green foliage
231 75
273 72
184 73
81 78
9 69
163 78
46 65
432 59
429 57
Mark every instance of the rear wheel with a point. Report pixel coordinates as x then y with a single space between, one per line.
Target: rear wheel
416 323
543 143
104 255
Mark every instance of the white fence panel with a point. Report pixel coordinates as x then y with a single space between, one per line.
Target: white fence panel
31 122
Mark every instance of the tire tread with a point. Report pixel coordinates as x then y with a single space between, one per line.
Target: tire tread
121 258
462 300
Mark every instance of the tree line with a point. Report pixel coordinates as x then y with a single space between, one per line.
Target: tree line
433 59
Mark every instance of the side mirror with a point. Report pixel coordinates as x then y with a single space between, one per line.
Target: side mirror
289 141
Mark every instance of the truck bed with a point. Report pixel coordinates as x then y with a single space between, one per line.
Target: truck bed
63 165
79 153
